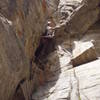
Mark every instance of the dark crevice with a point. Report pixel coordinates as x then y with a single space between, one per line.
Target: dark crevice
46 46
19 93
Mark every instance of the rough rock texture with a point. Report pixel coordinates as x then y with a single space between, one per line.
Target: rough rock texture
56 85
80 83
21 25
24 15
74 84
62 81
18 42
80 12
13 63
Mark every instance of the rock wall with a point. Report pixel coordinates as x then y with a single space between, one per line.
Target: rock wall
21 24
69 72
81 12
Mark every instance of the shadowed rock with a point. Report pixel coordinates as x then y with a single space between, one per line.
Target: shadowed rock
21 24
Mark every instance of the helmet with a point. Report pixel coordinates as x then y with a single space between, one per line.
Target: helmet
49 22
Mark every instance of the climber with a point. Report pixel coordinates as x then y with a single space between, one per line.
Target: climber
49 32
47 37
46 41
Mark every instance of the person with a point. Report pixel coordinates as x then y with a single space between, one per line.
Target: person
46 44
49 32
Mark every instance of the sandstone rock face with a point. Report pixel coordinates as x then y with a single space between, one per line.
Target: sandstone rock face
74 84
13 62
63 81
56 85
88 83
81 20
25 15
21 24
81 12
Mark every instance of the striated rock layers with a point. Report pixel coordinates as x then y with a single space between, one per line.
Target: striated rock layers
21 24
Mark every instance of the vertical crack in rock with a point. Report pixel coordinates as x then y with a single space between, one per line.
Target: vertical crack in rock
75 92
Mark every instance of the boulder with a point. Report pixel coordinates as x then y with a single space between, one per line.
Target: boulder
83 52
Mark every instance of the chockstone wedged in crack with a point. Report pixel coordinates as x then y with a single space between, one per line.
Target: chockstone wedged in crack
83 52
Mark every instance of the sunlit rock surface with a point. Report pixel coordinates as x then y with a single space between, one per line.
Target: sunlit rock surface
63 81
74 84
57 80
